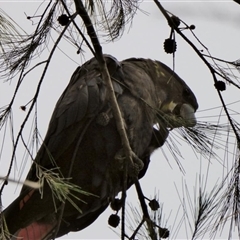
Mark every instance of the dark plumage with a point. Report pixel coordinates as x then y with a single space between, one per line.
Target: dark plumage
82 131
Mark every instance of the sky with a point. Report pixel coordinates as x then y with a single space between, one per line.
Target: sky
217 27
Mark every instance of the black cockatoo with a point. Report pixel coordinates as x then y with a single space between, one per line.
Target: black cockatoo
82 139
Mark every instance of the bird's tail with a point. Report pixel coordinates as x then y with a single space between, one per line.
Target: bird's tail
34 231
21 225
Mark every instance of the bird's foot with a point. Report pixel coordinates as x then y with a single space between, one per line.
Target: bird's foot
133 167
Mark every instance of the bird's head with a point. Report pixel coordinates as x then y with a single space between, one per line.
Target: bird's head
177 103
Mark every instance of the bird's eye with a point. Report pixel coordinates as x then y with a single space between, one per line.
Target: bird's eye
186 92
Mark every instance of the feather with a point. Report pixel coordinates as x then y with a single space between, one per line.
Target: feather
78 142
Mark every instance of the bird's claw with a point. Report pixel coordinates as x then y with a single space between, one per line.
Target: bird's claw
134 166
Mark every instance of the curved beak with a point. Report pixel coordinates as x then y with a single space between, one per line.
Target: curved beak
179 115
187 112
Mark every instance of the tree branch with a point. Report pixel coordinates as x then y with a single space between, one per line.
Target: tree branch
33 103
211 69
81 11
146 216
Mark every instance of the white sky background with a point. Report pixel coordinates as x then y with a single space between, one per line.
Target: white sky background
217 26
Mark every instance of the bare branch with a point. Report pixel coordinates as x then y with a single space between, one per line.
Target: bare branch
32 105
211 69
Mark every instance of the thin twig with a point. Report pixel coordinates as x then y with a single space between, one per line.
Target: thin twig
32 68
113 101
15 93
79 30
211 69
146 216
137 229
33 102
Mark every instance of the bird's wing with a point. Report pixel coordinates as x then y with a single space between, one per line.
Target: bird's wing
82 100
95 167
